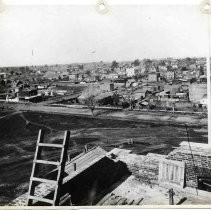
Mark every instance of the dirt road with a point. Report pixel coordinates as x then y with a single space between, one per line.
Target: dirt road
152 117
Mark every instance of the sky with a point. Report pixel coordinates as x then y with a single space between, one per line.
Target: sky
69 34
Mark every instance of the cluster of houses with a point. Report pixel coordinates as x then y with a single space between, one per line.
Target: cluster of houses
166 83
151 95
167 70
20 91
170 84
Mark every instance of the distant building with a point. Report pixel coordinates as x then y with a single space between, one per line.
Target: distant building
139 94
130 82
3 75
29 94
130 72
203 101
89 79
162 68
51 75
153 77
197 91
170 75
106 86
152 88
173 89
203 78
112 76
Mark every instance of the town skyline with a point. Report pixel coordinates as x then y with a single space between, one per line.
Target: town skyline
107 62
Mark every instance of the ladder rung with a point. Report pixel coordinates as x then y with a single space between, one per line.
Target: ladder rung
50 145
49 181
65 198
44 200
47 162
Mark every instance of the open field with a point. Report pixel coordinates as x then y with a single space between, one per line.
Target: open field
18 134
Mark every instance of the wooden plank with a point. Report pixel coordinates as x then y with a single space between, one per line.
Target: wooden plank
50 145
175 174
44 200
47 162
121 201
36 179
114 200
138 201
103 200
131 202
64 199
171 172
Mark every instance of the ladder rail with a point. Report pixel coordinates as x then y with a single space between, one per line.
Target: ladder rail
61 169
35 168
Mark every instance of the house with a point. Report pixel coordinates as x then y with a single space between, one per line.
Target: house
30 95
90 79
203 78
120 71
3 75
138 70
181 96
60 92
197 91
162 68
106 86
51 75
139 94
203 101
152 69
105 98
170 75
163 95
152 88
112 76
12 97
73 76
152 77
172 88
174 66
130 72
130 82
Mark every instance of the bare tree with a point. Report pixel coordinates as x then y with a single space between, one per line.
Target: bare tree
136 62
130 99
90 94
116 99
91 103
114 65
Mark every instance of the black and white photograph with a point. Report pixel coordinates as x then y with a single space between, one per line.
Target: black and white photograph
105 104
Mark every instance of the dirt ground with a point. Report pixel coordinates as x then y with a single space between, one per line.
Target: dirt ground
19 130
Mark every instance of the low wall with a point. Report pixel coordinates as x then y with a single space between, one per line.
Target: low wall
145 168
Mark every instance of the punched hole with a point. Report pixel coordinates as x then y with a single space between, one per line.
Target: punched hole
207 7
2 6
102 7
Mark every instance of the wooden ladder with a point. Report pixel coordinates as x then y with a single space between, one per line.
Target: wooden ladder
35 169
